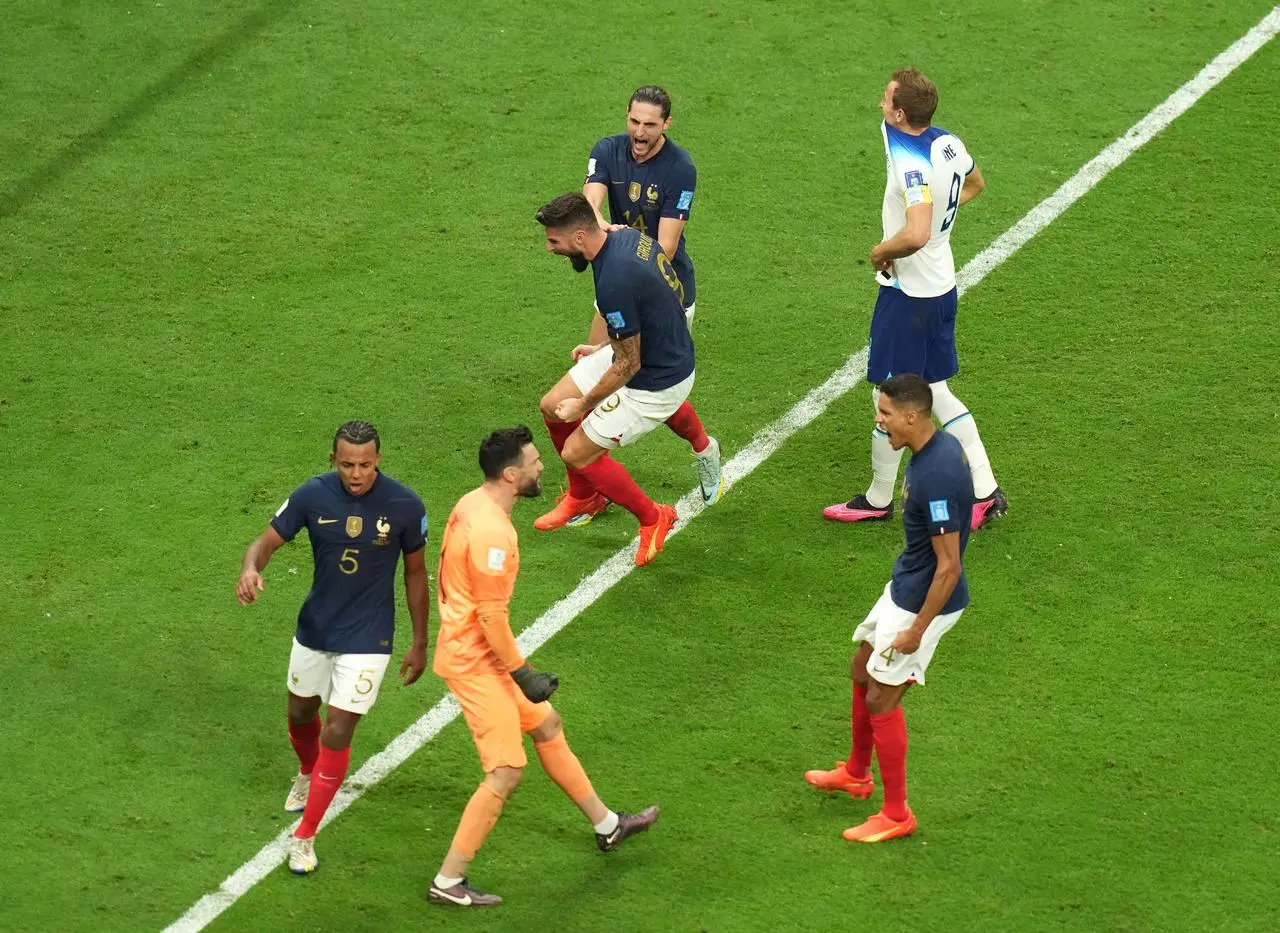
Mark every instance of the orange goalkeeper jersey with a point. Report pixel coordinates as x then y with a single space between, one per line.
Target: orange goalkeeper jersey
479 558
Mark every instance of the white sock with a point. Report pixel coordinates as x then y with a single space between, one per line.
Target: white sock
608 824
958 421
884 470
445 882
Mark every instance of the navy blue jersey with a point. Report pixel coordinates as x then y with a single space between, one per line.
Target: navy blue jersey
642 193
356 542
938 500
638 292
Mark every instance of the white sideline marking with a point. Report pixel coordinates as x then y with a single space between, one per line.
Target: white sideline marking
762 446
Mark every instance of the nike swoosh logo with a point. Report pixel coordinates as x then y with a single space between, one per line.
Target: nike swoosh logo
464 901
325 521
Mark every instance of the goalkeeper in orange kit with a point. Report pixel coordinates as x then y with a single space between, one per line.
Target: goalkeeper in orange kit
501 696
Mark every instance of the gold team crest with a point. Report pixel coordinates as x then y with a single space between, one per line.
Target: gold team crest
384 529
651 194
633 191
355 525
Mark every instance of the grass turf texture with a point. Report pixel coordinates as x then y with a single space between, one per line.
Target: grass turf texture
225 233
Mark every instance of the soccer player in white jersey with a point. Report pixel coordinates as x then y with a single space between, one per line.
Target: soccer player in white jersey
913 328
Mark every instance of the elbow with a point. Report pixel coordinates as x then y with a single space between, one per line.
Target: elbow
917 240
950 572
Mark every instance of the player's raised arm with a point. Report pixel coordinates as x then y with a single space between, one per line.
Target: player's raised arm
974 185
256 559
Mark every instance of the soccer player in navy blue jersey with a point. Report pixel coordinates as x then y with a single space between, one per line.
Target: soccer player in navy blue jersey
360 521
652 372
924 599
649 183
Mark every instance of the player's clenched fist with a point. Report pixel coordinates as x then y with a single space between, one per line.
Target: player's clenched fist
571 409
248 587
535 685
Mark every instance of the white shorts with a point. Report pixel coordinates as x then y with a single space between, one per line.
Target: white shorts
882 625
590 369
629 414
347 681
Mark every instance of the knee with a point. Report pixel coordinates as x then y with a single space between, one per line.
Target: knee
551 727
548 406
504 781
858 671
579 453
946 407
880 700
337 731
302 709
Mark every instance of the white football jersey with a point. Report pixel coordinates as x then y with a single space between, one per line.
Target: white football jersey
925 169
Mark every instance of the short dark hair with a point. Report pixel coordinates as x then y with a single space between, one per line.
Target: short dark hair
652 94
503 448
909 391
357 432
570 211
916 96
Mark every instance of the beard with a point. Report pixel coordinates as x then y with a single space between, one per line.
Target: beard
579 262
531 489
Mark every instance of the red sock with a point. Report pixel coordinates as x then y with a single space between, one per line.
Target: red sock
306 742
859 763
579 486
612 479
331 768
686 423
891 749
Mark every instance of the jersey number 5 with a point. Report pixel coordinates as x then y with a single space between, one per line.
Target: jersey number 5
347 563
953 202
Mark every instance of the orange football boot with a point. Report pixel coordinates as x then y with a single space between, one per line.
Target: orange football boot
838 778
571 512
652 537
880 828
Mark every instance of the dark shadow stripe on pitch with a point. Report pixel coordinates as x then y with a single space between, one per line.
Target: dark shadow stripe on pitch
84 146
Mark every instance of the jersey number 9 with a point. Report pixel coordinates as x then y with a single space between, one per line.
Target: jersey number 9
669 273
953 202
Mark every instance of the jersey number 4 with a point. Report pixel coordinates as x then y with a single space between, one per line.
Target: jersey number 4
888 654
953 202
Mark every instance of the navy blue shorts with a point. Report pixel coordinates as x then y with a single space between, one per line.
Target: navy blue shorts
913 335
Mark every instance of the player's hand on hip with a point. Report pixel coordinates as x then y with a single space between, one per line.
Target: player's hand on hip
907 642
248 587
415 662
582 350
571 409
535 685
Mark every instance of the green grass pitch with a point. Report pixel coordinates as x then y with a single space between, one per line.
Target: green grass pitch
225 229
